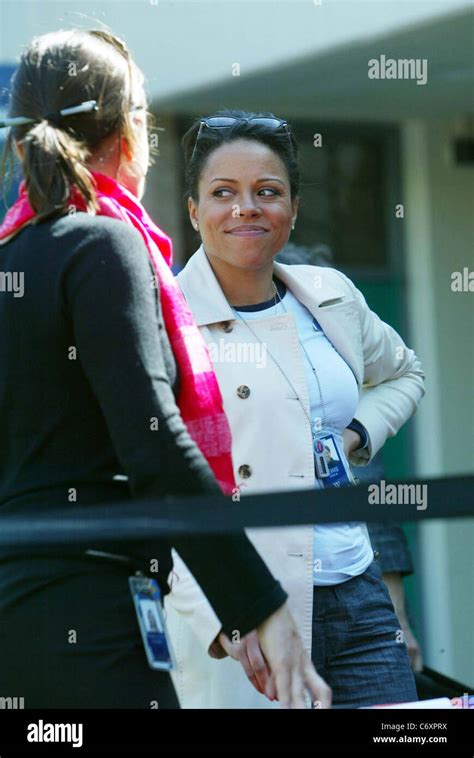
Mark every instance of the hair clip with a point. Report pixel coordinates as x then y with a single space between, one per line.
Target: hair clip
88 105
85 107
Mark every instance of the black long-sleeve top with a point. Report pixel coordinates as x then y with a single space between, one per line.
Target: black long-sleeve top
85 369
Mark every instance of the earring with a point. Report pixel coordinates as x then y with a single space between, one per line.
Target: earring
293 225
196 226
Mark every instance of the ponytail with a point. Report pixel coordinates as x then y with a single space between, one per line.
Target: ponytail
54 162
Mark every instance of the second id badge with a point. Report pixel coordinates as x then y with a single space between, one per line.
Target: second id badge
332 468
147 601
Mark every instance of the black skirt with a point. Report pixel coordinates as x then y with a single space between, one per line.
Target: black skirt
69 637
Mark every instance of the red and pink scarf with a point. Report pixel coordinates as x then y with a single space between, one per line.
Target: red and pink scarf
199 397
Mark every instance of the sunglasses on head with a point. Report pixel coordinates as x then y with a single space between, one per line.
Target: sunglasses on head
225 122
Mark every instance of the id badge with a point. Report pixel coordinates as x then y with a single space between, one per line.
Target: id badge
147 601
330 462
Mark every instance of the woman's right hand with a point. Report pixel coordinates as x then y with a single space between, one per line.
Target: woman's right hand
292 670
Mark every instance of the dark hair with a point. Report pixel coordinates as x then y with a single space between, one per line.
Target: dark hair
60 70
210 139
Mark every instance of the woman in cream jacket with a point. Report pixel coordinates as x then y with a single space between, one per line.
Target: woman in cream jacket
256 317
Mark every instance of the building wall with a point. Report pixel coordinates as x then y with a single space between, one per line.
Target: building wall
163 196
186 43
439 231
452 199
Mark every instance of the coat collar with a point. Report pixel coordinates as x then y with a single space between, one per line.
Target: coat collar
209 304
315 287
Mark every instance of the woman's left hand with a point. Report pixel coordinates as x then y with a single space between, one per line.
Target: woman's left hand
351 441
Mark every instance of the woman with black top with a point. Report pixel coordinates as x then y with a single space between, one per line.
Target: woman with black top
94 372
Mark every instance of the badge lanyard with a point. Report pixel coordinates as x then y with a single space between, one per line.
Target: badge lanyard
147 601
323 441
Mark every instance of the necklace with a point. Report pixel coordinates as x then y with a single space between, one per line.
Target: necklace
312 424
274 296
313 369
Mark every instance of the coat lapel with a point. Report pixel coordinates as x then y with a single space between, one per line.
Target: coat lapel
315 287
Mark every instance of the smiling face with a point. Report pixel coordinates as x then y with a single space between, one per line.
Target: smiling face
245 210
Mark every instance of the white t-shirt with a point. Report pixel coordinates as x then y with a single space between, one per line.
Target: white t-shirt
341 550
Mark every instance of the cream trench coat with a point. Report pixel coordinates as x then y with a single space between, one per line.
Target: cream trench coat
272 445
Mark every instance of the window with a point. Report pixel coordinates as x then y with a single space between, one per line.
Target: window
346 194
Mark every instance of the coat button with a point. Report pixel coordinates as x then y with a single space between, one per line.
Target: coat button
245 471
226 326
243 391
